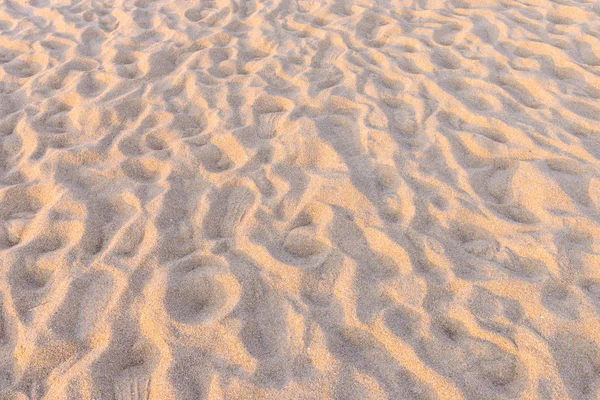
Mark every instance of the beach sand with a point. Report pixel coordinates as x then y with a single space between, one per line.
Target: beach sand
299 199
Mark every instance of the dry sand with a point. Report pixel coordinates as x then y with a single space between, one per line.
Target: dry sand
299 199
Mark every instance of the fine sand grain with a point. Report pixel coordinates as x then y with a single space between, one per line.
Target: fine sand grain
299 199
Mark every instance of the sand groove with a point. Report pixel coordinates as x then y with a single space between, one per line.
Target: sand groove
299 199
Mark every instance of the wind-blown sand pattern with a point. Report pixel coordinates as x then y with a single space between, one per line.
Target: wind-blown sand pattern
299 199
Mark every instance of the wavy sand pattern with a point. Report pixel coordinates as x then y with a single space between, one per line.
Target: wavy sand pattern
299 199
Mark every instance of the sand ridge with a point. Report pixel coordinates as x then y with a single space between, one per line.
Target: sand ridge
299 199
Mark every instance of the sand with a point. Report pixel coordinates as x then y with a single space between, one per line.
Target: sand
304 199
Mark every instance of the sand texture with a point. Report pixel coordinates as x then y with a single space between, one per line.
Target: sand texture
299 199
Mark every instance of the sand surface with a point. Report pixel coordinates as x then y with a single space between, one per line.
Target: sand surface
304 199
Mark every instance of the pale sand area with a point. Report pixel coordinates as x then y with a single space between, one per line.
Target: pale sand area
299 199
